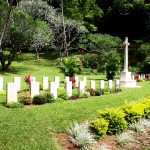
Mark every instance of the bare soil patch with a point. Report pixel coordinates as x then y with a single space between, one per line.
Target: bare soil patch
141 142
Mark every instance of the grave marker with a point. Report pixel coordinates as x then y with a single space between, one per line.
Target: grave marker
45 83
11 96
69 88
81 87
17 81
102 84
57 80
67 78
35 89
110 85
92 84
53 89
84 80
77 81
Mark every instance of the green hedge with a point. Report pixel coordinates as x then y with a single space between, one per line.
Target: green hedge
116 120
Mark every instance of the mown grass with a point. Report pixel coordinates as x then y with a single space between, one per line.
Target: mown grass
35 128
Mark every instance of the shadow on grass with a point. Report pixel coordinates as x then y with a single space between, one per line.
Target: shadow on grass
15 70
98 79
3 104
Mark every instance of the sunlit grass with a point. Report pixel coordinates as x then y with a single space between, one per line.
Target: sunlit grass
35 128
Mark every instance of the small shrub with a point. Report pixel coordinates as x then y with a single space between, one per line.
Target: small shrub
14 105
80 135
91 91
25 98
42 99
102 147
2 92
125 137
115 118
41 86
146 103
137 127
145 123
133 112
85 95
99 127
62 93
99 92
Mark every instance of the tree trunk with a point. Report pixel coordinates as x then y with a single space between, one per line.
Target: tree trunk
4 26
37 54
64 30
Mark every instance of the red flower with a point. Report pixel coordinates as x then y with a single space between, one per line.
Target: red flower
73 80
28 79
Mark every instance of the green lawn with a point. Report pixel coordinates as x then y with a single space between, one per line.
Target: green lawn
34 128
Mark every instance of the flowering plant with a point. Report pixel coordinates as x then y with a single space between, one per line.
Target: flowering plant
73 80
28 79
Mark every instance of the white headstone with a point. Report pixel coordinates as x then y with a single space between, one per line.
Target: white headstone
57 80
45 83
53 89
84 80
102 84
77 81
92 84
110 84
35 89
69 88
81 87
139 78
11 96
133 77
117 83
33 79
1 83
17 81
67 78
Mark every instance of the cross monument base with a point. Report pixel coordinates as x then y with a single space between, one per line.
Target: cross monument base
126 81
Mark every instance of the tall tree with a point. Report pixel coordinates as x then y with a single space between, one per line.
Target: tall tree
85 11
42 36
18 35
4 25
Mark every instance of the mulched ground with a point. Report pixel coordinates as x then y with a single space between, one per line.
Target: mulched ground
141 142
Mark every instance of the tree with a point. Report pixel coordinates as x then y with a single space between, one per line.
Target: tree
18 35
85 11
4 26
120 18
99 42
42 36
66 31
110 63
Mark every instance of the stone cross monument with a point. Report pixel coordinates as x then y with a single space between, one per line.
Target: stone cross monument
125 78
126 54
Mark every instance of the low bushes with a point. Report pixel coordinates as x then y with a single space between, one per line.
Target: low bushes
116 120
99 126
42 99
26 99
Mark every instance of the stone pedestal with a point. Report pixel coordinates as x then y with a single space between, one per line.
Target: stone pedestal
126 81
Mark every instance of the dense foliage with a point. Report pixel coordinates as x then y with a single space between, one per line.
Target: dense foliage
65 26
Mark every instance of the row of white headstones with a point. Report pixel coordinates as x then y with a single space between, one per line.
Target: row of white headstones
14 87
